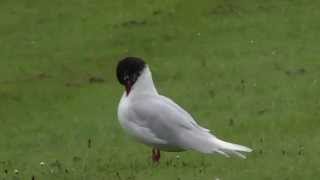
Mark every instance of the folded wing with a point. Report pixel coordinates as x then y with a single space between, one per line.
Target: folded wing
167 121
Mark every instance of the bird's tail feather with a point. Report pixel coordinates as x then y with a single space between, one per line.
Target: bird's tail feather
207 143
227 149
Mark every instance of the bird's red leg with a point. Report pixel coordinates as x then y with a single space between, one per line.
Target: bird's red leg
155 155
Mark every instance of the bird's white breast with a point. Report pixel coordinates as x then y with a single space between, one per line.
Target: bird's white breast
128 119
123 111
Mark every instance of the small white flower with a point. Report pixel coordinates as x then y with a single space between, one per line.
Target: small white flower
16 171
42 163
177 157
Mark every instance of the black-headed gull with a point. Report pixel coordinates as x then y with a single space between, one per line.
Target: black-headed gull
157 121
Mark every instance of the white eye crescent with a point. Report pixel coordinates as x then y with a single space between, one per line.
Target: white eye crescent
126 77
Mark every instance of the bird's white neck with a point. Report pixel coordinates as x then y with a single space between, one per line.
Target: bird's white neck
144 84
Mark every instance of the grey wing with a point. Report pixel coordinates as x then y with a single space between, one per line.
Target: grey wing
170 123
164 119
188 117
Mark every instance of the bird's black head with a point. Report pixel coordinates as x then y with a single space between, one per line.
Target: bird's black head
128 71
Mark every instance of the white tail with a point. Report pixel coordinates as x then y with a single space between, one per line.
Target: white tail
226 148
207 143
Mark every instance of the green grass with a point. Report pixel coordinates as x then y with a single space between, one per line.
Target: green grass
247 69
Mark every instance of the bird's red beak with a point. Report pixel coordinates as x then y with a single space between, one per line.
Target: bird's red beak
128 86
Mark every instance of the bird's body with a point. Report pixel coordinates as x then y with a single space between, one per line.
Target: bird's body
157 121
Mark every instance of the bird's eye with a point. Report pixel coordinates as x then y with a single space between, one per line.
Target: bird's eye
126 77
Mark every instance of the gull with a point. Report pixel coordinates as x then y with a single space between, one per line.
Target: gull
159 122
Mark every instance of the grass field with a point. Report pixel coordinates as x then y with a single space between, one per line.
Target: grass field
247 69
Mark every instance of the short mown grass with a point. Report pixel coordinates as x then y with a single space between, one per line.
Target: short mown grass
248 70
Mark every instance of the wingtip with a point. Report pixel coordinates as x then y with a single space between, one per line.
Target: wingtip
246 149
